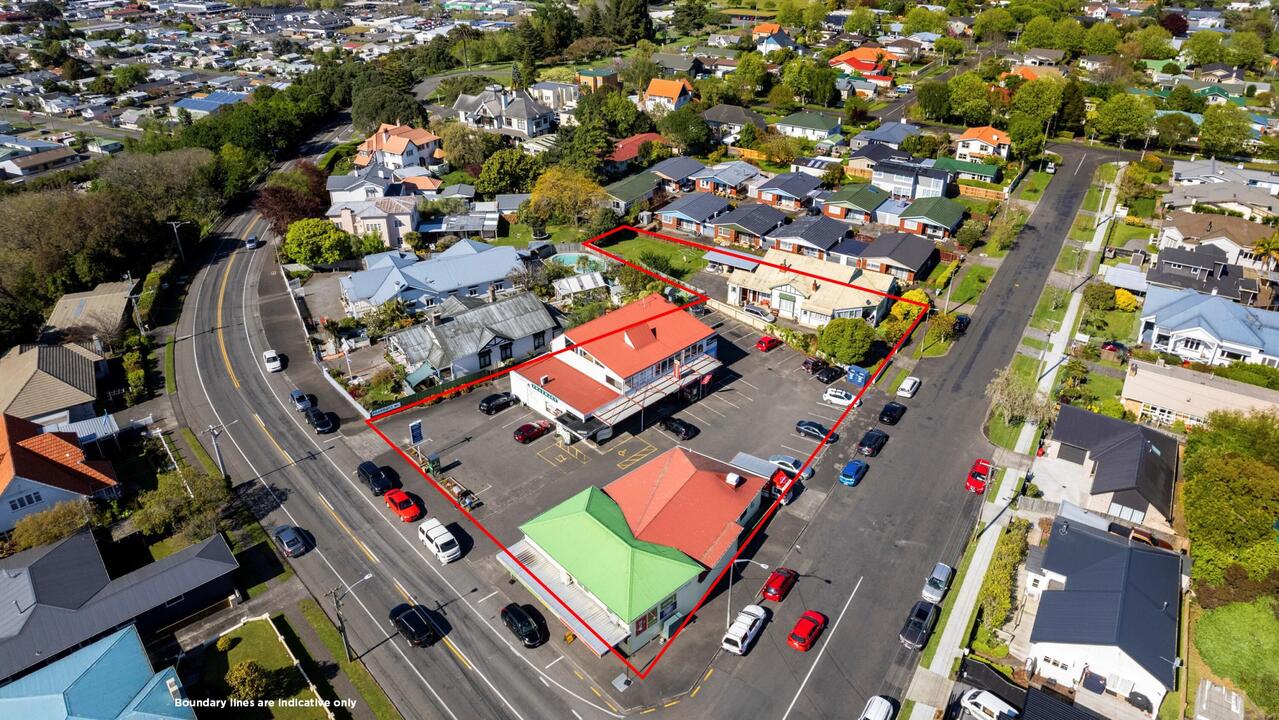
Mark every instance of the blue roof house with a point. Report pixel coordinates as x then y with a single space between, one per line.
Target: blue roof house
1210 329
111 679
890 133
469 268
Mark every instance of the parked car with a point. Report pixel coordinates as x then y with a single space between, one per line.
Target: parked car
528 432
412 623
1114 346
853 472
439 540
919 625
812 365
290 541
680 429
872 442
937 583
745 628
909 387
840 397
762 313
878 708
372 476
978 476
252 242
806 630
497 402
778 584
699 310
301 401
791 465
272 360
402 505
814 430
891 413
985 705
961 324
523 625
766 343
320 420
828 374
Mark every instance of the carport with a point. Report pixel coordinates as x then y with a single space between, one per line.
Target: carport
697 370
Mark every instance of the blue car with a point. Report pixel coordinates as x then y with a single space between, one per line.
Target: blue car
853 472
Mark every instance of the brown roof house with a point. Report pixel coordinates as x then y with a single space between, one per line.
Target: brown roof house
39 470
102 311
51 384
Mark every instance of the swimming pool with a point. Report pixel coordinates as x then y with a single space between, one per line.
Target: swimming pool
571 260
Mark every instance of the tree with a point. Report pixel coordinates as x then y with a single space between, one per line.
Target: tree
1174 129
689 16
630 21
1038 33
1038 99
1185 99
1225 130
315 241
920 19
686 129
1125 116
749 75
584 148
1101 39
1175 23
1099 296
934 99
949 48
834 176
248 680
465 147
1205 46
49 526
1015 398
1068 35
508 171
969 98
1246 49
862 20
848 341
1073 111
377 104
564 195
1027 135
1152 41
1126 301
993 24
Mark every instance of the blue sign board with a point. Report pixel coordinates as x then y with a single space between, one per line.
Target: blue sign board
415 432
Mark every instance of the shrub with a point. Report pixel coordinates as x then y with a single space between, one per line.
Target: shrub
224 643
1100 296
947 274
49 526
1126 301
249 681
996 595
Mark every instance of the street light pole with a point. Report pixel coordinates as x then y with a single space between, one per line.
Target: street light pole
337 609
728 609
175 224
214 431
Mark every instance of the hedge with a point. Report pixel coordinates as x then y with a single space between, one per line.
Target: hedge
151 287
946 275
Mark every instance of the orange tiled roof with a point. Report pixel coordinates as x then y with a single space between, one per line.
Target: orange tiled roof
573 387
872 55
54 459
393 139
669 89
651 340
988 135
767 28
627 149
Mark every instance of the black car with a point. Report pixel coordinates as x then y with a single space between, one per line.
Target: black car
961 324
828 375
872 442
812 365
497 402
891 413
814 430
680 429
370 474
522 622
699 310
412 623
919 625
318 419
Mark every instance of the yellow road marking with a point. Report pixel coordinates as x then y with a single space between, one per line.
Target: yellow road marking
645 712
409 598
694 693
579 675
709 673
597 692
338 520
673 702
611 706
226 277
271 437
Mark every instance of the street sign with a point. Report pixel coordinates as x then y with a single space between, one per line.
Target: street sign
415 432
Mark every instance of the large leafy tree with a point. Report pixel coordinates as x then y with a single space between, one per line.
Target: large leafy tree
994 24
509 171
686 129
1124 117
1039 32
377 104
1038 99
1101 39
848 341
1027 135
466 147
1205 47
1225 130
1246 49
862 20
1073 110
934 99
314 241
969 98
565 195
1174 129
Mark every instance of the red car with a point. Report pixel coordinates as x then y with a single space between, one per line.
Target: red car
528 432
766 343
807 629
778 584
403 505
978 476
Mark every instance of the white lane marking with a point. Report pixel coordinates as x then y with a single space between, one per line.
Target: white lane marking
829 637
579 717
519 419
548 667
227 430
486 597
539 677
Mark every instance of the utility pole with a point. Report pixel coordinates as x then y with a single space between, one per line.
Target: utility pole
175 224
213 432
338 594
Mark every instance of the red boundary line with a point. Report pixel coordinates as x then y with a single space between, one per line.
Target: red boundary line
592 245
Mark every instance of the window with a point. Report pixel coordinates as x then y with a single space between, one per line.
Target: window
486 358
506 351
472 291
25 500
174 601
539 339
1190 344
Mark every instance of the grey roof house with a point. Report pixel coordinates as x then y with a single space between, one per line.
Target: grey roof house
102 311
747 224
466 335
693 212
509 112
677 172
890 133
469 268
50 384
728 120
1206 270
902 255
811 235
790 190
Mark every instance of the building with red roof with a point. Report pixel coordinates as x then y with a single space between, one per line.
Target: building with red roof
627 149
39 470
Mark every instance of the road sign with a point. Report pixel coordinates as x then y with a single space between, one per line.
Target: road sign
415 432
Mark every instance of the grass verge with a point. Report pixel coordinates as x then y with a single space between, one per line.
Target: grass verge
926 658
312 669
992 492
374 698
1033 185
170 367
201 455
972 285
256 640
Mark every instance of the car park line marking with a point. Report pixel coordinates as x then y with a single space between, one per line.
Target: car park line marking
788 447
486 597
579 717
548 666
539 677
671 703
694 416
647 711
708 407
338 520
695 691
612 705
724 400
747 383
579 675
822 651
271 437
521 418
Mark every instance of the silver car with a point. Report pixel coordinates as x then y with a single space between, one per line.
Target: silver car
791 464
938 583
290 541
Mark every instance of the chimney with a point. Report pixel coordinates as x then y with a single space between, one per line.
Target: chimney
545 379
492 292
437 318
733 479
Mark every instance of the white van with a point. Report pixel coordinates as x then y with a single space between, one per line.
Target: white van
439 540
984 705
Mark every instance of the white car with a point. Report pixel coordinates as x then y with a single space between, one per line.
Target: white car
272 360
878 708
909 387
840 397
984 705
791 464
745 628
435 536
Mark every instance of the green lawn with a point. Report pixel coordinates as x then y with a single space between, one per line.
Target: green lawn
1072 258
256 640
1121 233
170 373
1035 343
1142 207
1095 198
993 491
521 235
1046 317
1106 389
1084 227
201 455
685 260
930 649
1240 641
1107 172
999 432
373 696
972 285
167 546
1033 185
1113 325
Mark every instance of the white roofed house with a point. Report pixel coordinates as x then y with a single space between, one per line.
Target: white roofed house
1209 329
467 269
810 291
510 112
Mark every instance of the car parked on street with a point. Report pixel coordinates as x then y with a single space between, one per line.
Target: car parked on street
745 628
411 622
301 401
766 343
872 442
373 477
319 420
528 432
978 476
290 541
678 428
919 625
878 708
828 374
840 397
791 465
937 583
961 324
909 387
439 541
812 365
891 413
497 402
853 472
806 630
402 505
272 360
778 584
814 430
520 621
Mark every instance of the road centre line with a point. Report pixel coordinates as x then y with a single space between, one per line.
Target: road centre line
359 543
822 651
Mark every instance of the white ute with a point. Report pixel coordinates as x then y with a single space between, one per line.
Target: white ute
435 536
745 628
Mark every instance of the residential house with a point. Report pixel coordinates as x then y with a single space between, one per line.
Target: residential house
816 166
1236 237
809 126
723 40
906 257
692 213
201 104
763 30
1164 394
665 95
50 384
1093 63
1250 202
595 78
510 112
673 64
676 173
466 335
69 599
811 291
933 217
27 165
1205 270
555 95
731 179
854 203
727 121
979 143
1106 615
468 268
398 146
871 54
1221 73
777 41
910 181
906 49
1213 172
890 133
747 224
1208 328
111 678
788 191
390 218
102 312
810 235
1043 57
362 183
861 162
38 470
627 149
645 187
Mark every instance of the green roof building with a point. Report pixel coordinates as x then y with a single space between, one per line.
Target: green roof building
935 217
627 192
969 170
